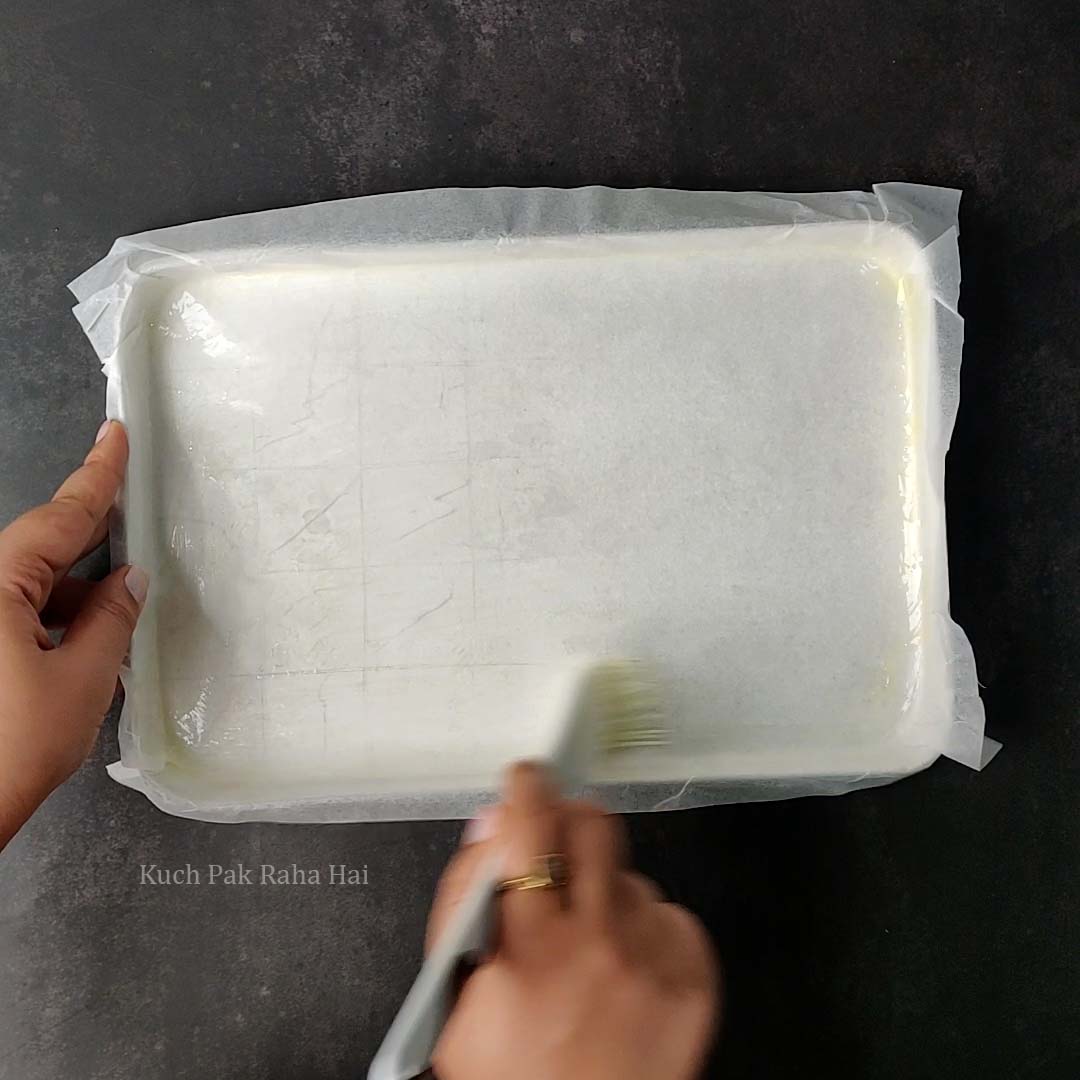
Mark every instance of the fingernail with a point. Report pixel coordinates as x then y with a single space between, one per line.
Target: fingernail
138 584
481 827
102 431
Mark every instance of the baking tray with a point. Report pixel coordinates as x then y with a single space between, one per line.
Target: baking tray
397 462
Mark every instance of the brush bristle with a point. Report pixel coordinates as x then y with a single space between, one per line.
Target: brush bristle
627 706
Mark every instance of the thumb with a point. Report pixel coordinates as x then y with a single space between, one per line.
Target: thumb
98 638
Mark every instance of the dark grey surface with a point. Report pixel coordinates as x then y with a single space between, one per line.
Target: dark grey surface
925 929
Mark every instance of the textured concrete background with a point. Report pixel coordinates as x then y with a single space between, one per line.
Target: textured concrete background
925 929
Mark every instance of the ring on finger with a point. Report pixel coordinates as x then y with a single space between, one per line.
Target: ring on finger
547 872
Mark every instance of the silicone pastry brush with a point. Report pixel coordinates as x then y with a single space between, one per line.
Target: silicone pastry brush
610 707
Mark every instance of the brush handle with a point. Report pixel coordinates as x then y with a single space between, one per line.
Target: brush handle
406 1051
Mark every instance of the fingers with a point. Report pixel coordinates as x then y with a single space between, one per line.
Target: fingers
96 538
458 876
92 487
531 827
98 638
681 948
65 602
638 891
531 822
42 545
602 889
594 850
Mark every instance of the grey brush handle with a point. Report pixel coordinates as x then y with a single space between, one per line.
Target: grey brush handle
406 1051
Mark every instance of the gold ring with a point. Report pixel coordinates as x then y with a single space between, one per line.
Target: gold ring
549 872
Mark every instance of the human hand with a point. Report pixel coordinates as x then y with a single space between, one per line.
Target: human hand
53 699
600 979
